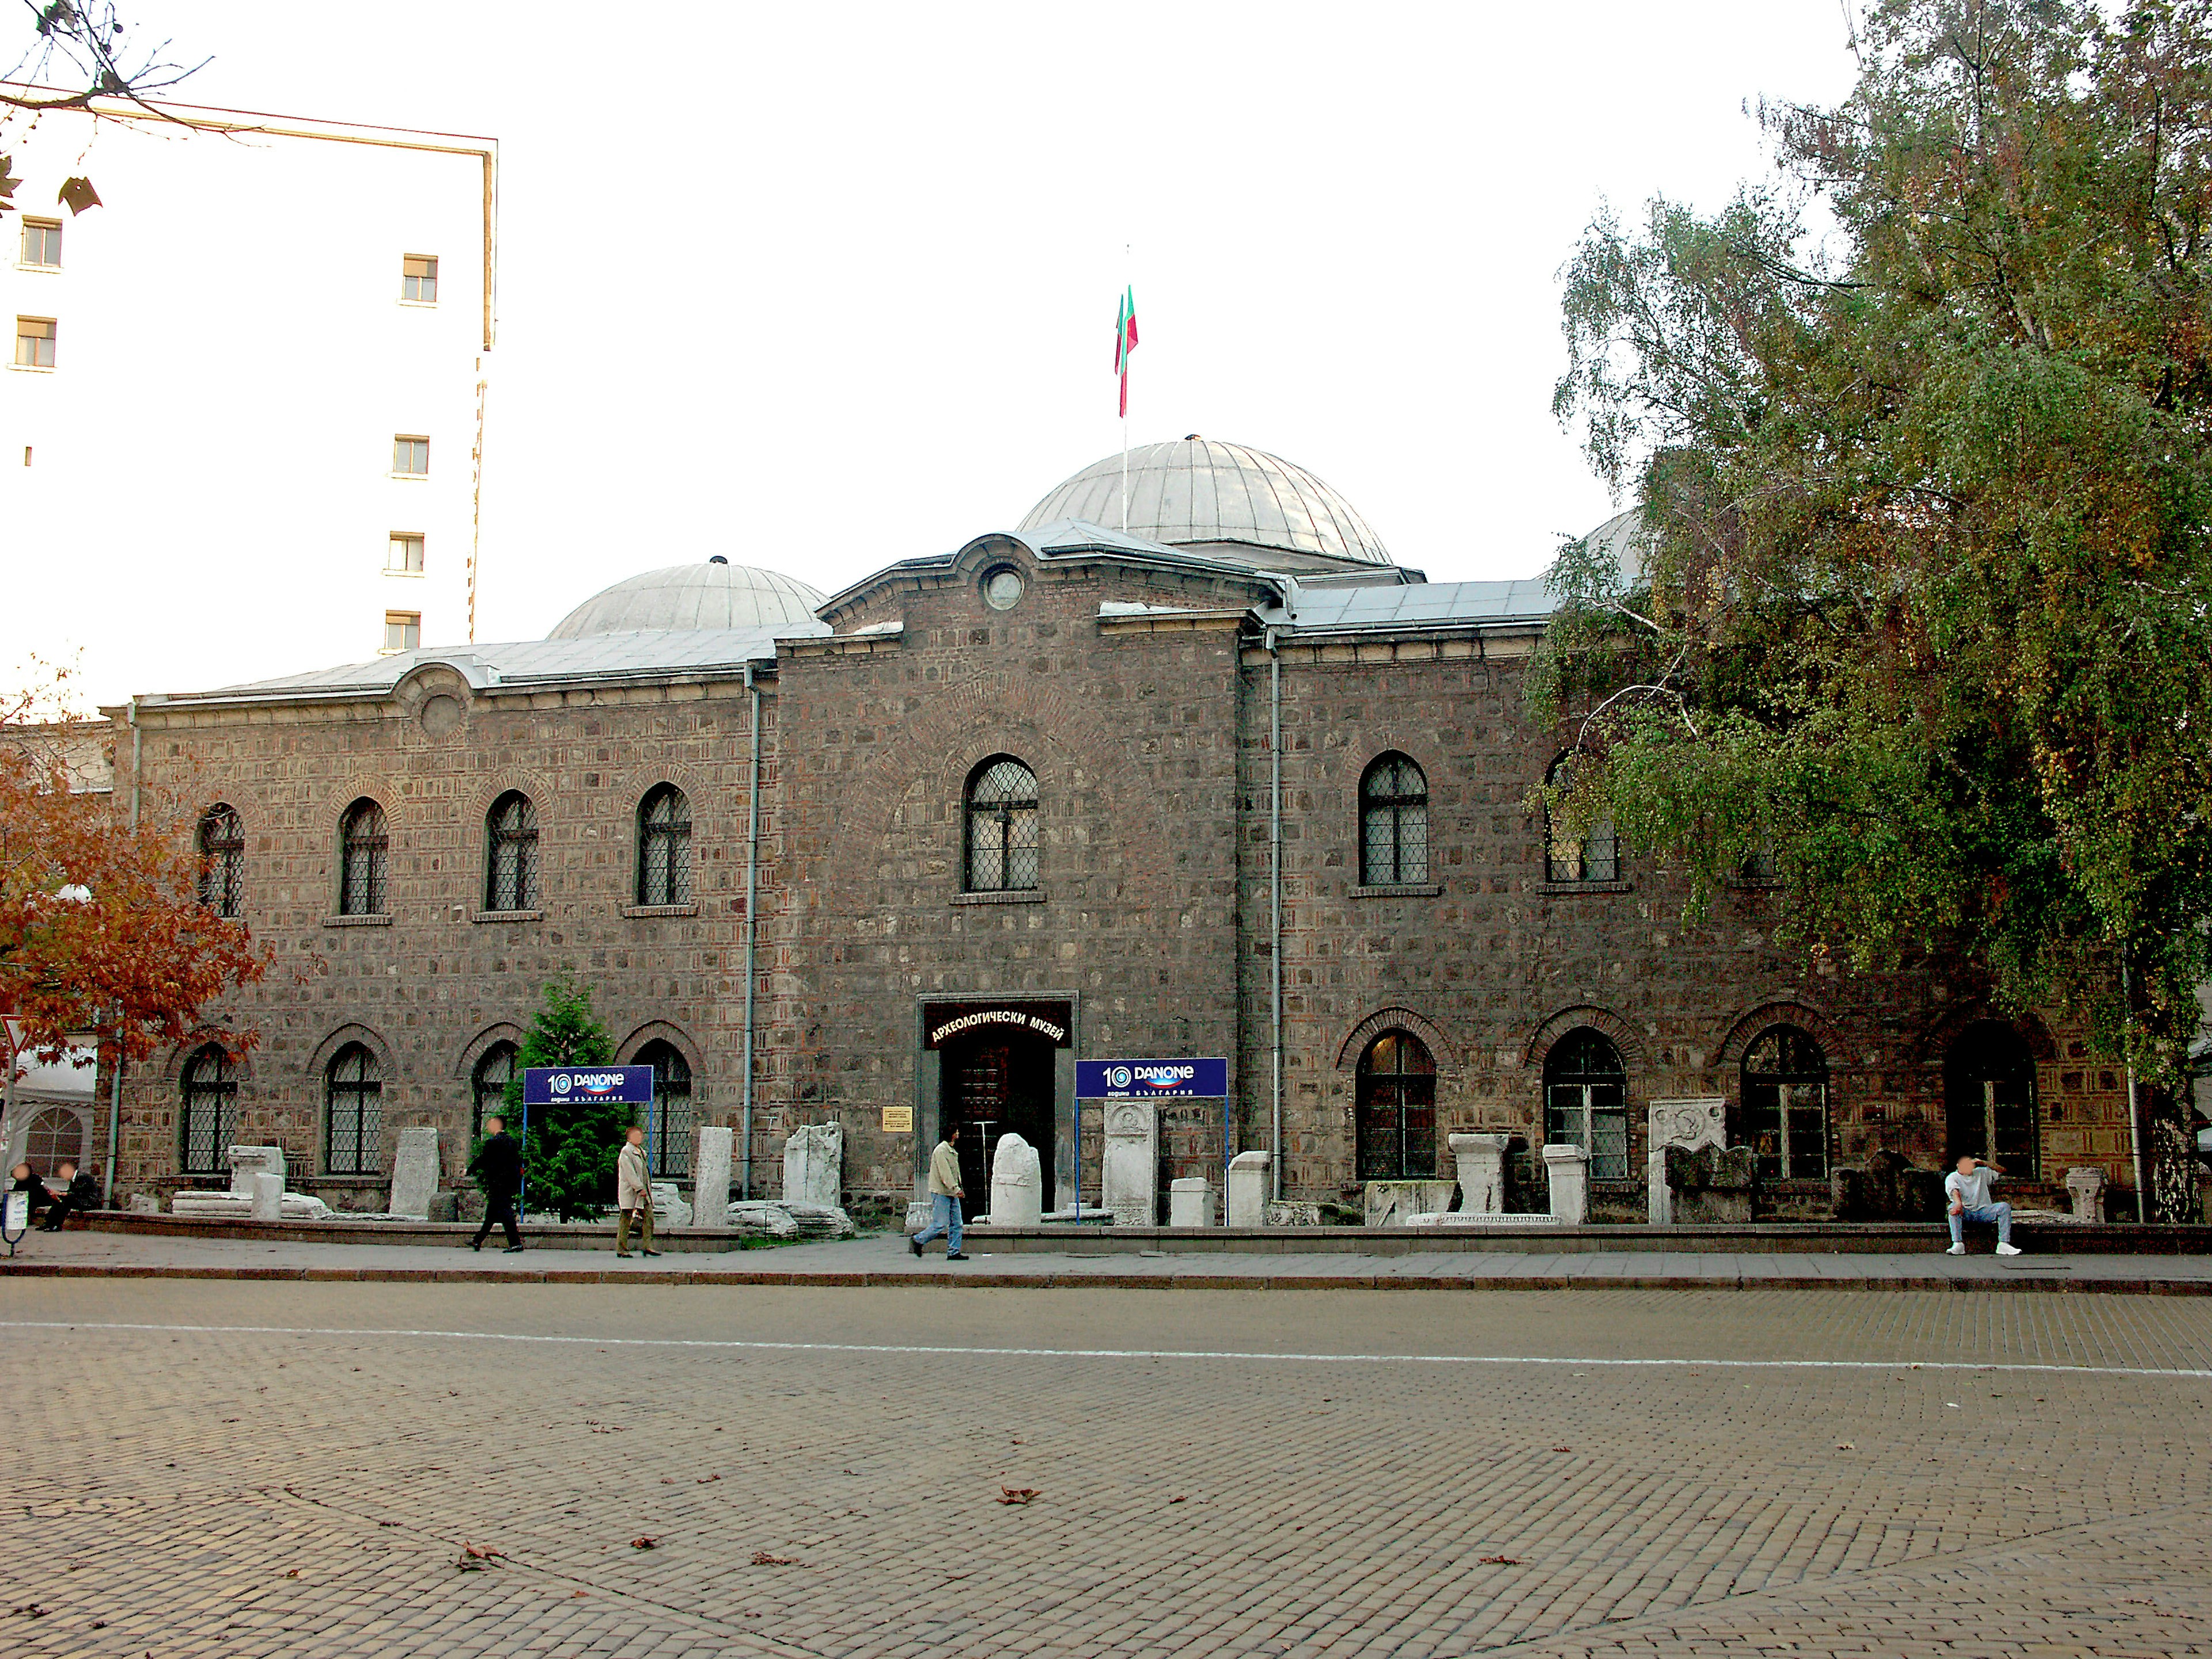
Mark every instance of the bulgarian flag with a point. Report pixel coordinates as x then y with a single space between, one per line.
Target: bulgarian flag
1125 341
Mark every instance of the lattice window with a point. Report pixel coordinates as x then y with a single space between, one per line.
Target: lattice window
56 1137
670 1123
1593 856
511 854
353 1112
1784 1116
1393 824
1396 1119
207 1112
1002 827
1586 1100
664 847
364 861
222 860
488 1083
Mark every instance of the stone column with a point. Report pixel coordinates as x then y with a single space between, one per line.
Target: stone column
1247 1189
2086 1188
1566 1166
710 1177
1130 1173
268 1197
1687 1123
1481 1160
1190 1203
414 1174
1016 1184
814 1165
246 1162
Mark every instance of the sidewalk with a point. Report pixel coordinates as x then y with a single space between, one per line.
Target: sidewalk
885 1261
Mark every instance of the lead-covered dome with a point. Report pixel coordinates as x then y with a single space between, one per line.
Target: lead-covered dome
713 595
1199 493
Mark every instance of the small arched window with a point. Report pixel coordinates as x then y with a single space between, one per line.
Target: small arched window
222 860
1594 856
1586 1100
488 1083
1395 1123
353 1112
207 1111
669 1121
1784 1114
364 861
511 854
1002 827
1393 824
664 847
56 1137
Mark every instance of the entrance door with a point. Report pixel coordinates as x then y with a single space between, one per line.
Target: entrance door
1988 1099
996 1085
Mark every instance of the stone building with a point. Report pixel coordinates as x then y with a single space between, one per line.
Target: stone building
1231 782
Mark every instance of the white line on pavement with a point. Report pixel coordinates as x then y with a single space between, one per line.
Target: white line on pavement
947 1353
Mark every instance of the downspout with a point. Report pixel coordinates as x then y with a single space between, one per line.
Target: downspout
115 1073
2135 1117
752 896
1275 903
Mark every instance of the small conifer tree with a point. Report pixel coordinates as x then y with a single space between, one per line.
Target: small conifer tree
568 1150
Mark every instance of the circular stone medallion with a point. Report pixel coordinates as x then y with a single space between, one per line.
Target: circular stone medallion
1002 588
441 714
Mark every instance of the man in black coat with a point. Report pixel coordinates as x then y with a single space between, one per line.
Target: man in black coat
79 1192
498 1169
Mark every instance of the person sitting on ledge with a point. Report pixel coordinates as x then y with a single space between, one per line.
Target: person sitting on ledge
27 1181
79 1192
1967 1187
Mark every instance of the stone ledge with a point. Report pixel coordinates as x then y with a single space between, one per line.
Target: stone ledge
508 916
646 911
1012 895
1405 890
383 919
1569 888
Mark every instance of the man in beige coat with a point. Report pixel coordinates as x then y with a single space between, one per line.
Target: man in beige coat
945 1195
633 1194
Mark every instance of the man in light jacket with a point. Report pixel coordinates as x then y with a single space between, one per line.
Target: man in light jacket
633 1194
945 1195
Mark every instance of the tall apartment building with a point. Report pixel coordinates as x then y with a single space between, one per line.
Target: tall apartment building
246 395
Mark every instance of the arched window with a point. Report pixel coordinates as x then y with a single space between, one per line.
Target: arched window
56 1137
511 854
669 1122
1988 1099
1396 1119
488 1083
364 857
1002 827
222 860
1595 857
1586 1100
353 1112
664 847
207 1112
1784 1114
1393 824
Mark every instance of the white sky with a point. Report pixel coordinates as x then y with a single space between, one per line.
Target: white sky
820 287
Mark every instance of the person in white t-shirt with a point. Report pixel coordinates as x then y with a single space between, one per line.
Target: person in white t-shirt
1967 1187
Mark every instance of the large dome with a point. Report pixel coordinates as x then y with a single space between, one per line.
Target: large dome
715 594
1200 493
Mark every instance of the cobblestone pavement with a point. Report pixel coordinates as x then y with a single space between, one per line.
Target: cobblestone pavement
819 1471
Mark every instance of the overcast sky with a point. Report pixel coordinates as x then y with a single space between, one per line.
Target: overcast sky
820 287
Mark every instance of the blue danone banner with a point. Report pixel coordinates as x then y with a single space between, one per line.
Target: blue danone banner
1152 1079
556 1086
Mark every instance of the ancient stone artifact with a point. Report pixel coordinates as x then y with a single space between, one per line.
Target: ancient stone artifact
710 1177
669 1209
1249 1174
1190 1202
1566 1172
1885 1186
1392 1203
1711 1186
1481 1160
814 1164
414 1174
1130 1174
1016 1184
2085 1187
1687 1123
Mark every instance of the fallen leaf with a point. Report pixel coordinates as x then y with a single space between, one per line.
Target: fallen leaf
1017 1494
32 1611
1847 1445
1562 1449
1501 1560
295 1573
667 1479
762 1558
644 1540
704 1479
1178 1500
572 1594
485 1554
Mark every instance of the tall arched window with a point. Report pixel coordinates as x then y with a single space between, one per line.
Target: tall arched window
364 857
222 860
353 1112
1002 827
488 1083
511 854
664 847
1593 856
1988 1099
670 1120
1395 1122
207 1112
1784 1114
1586 1100
1393 824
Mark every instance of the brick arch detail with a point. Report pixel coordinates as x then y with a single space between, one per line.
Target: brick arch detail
1937 1035
353 1031
500 1030
1780 1011
173 1063
1398 1017
1625 1037
663 1031
361 785
536 784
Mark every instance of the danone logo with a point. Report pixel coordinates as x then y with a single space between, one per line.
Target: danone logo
1165 1077
1152 1079
596 1085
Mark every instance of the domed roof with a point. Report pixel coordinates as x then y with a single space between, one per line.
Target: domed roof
713 595
1197 492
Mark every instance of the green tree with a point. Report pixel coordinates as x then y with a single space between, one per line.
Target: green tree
568 1153
1921 437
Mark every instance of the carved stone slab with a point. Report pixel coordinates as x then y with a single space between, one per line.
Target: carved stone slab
414 1174
669 1209
1249 1174
1129 1177
1481 1160
1290 1212
1688 1123
1566 1171
814 1164
1190 1202
1016 1184
710 1177
248 1161
1391 1202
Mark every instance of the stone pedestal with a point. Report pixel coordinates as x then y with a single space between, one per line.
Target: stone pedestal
1566 1170
918 1213
268 1197
248 1161
2084 1187
1190 1202
710 1177
1130 1174
1481 1160
814 1164
414 1174
1248 1176
1688 1123
1016 1184
1391 1202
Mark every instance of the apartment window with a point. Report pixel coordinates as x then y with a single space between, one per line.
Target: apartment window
1395 1125
34 343
410 458
670 1125
406 555
1593 857
42 242
488 1086
418 279
1586 1100
402 630
1784 1115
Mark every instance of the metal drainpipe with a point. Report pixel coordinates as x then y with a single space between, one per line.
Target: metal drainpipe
115 1076
1275 897
752 896
2134 1118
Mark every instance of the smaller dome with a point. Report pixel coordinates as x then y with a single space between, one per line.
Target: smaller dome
712 595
